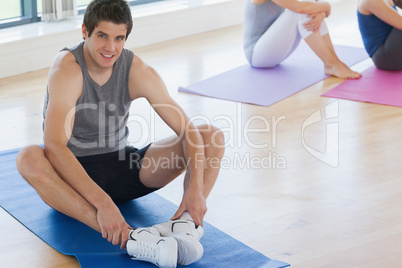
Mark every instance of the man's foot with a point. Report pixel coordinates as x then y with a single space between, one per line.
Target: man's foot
145 244
180 226
341 70
187 235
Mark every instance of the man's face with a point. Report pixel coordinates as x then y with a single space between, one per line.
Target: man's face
105 43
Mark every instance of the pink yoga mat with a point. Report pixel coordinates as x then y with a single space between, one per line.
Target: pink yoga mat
375 86
268 86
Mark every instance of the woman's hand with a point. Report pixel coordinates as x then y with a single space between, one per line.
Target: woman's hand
315 23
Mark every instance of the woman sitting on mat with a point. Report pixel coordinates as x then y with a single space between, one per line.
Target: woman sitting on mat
380 26
274 28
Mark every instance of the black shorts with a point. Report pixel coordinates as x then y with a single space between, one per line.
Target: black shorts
118 173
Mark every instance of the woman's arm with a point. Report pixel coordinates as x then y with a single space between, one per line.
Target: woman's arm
258 2
383 10
304 7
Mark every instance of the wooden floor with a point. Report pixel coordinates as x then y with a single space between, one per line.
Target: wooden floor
297 209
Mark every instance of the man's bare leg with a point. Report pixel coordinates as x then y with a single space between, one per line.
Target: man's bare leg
213 155
40 174
36 169
186 230
153 176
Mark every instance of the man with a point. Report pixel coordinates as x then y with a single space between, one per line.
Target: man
86 166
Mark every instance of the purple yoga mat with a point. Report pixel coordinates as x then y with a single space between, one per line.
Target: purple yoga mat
375 86
268 86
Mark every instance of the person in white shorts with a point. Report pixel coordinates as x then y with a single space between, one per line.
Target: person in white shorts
273 29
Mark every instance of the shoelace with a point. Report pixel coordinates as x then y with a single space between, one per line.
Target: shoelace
147 250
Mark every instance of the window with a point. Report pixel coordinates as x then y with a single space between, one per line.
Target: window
82 4
18 12
10 9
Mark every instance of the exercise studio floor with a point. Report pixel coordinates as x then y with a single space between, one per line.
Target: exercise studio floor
291 206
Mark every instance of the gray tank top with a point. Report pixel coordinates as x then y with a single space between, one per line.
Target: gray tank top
257 20
101 112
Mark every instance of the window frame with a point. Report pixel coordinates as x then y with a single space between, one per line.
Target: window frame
81 9
30 14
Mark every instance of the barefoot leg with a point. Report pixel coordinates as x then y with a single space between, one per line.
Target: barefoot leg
323 48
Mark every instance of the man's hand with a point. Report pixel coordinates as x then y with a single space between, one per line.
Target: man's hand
113 226
194 203
315 23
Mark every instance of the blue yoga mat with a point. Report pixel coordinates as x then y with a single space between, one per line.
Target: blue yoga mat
71 237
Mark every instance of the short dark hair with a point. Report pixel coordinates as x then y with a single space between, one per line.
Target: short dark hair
116 11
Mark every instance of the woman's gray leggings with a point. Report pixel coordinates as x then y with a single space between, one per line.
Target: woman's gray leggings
389 55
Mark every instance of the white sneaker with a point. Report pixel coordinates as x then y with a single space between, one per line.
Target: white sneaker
145 244
187 235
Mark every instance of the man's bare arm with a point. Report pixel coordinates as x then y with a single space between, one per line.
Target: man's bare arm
65 87
145 82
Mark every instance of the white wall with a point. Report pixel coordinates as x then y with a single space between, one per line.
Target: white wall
33 47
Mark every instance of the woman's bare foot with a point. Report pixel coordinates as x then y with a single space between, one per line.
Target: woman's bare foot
341 70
